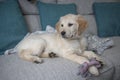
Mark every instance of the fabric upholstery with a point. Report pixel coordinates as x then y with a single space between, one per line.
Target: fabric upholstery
51 69
1 0
48 1
107 18
12 25
33 22
117 72
113 55
50 13
30 8
84 6
91 28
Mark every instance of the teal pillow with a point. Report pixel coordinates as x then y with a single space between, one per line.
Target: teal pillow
50 13
107 18
12 25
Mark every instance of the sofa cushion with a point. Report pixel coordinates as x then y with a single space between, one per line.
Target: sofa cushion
108 19
113 54
50 13
12 25
51 69
84 6
33 22
48 1
91 29
30 8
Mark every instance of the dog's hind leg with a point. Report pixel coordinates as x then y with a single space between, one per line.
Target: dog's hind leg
27 55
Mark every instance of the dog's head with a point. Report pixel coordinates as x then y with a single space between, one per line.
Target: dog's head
71 26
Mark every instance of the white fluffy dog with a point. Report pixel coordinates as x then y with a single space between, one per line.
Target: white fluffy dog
66 42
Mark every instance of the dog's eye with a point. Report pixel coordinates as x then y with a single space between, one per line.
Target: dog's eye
70 24
61 25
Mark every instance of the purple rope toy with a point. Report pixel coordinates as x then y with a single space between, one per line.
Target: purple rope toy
84 67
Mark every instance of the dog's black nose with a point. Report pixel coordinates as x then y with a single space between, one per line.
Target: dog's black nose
63 33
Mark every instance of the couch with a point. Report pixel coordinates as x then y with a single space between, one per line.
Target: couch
14 68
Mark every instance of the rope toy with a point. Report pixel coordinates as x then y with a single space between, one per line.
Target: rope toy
85 66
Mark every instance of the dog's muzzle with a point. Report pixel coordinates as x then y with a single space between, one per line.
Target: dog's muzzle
63 34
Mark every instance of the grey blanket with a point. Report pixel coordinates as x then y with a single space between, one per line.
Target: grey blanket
98 44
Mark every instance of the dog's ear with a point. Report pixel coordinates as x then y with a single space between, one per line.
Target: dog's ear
57 26
82 24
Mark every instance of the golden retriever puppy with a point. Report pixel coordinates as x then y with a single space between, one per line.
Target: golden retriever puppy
66 43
